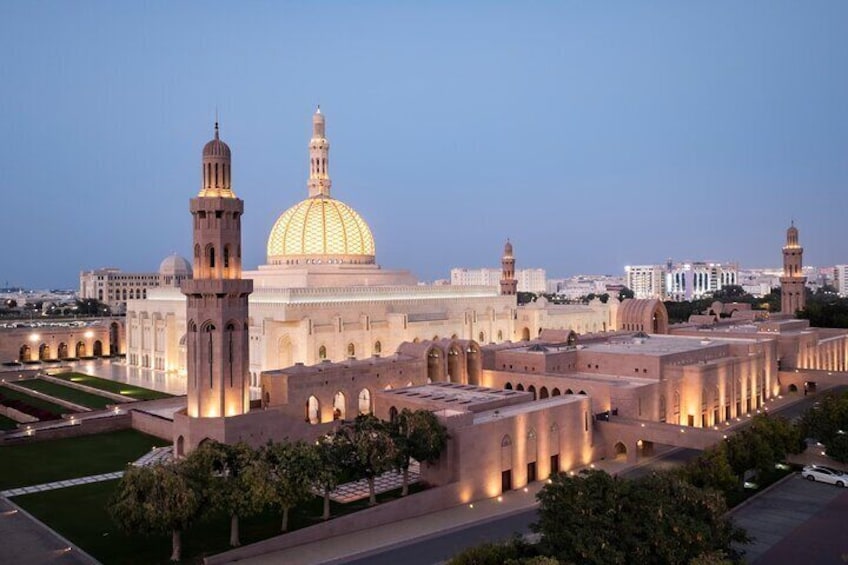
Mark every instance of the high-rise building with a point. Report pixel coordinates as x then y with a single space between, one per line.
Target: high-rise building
840 279
646 281
793 296
689 281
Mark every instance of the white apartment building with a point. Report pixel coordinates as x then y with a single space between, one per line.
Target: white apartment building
114 287
840 279
529 280
646 281
688 281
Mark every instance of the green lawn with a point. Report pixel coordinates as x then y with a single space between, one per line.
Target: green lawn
54 409
130 391
87 524
67 393
54 460
7 423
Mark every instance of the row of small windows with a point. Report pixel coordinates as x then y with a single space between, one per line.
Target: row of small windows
351 350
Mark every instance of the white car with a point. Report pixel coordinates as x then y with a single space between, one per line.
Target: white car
825 475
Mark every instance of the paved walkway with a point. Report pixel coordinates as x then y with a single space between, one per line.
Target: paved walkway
358 490
62 484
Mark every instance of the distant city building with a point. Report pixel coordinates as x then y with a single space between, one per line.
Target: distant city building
580 286
646 281
688 281
529 280
840 279
114 287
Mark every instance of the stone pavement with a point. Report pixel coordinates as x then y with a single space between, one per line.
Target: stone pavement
357 490
61 484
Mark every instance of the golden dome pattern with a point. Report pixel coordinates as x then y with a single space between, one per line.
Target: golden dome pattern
320 230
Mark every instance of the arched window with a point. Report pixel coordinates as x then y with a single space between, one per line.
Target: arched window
211 255
322 353
519 386
364 401
532 390
508 386
662 408
313 410
481 337
351 350
506 441
226 256
500 335
339 406
393 414
543 392
555 392
378 347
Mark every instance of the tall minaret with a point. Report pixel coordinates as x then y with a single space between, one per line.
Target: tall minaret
509 285
319 158
793 295
216 311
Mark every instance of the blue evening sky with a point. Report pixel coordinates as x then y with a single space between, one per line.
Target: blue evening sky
593 134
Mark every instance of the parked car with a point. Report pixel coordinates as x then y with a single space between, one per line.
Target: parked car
825 475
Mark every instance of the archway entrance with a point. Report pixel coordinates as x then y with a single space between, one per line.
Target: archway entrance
506 464
620 452
364 401
98 348
525 334
44 352
473 364
80 349
454 365
62 352
435 370
114 339
339 406
25 353
313 410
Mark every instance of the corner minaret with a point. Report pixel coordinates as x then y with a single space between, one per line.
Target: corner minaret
216 310
793 295
319 158
509 285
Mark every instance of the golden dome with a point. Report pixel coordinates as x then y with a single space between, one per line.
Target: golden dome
319 230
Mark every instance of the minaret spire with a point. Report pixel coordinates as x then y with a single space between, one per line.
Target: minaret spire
319 158
793 282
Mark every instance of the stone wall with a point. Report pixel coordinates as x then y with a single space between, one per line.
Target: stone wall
412 506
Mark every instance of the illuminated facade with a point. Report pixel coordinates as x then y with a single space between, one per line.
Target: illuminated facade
216 298
793 295
320 229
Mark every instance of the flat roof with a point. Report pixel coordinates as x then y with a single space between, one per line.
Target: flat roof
524 408
463 396
653 345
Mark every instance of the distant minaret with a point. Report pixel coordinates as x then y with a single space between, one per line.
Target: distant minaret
793 295
216 310
319 158
509 285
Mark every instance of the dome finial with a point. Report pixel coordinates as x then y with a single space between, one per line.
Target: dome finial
318 111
